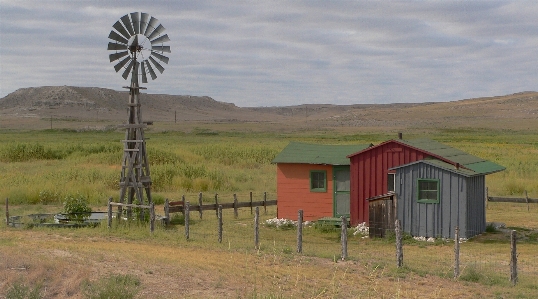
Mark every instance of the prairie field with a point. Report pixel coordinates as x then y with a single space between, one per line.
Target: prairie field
40 168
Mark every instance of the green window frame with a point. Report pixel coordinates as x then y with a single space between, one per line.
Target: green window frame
318 181
428 191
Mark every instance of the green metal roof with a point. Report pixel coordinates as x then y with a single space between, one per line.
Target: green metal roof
473 163
306 153
442 165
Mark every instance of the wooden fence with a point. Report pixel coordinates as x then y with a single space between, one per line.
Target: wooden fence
525 199
150 207
180 206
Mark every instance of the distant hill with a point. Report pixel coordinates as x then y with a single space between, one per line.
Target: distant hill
106 104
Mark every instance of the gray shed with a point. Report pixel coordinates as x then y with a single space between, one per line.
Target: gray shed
434 197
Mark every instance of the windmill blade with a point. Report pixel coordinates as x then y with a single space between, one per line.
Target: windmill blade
161 49
160 57
118 66
156 64
127 24
143 22
117 56
144 77
119 27
116 46
161 39
135 17
151 26
135 42
151 72
128 69
156 32
120 39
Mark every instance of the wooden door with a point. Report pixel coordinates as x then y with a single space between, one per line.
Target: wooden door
341 191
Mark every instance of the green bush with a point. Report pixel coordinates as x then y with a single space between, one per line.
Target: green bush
115 286
77 206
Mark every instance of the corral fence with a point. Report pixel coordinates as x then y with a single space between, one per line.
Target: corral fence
527 200
467 262
183 205
150 207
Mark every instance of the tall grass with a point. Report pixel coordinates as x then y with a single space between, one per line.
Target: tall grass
46 166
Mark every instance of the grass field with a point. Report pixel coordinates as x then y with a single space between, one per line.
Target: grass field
40 168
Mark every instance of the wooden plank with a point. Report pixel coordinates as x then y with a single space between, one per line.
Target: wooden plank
129 205
131 126
512 199
230 205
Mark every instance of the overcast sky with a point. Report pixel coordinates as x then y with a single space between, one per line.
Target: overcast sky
278 53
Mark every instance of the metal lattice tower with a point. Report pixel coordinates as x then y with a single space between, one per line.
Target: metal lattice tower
137 42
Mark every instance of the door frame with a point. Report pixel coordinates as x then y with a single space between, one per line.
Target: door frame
336 168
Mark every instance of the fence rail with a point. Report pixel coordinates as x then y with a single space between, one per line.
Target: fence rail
180 205
512 199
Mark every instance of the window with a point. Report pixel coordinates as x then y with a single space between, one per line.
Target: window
318 181
390 182
428 191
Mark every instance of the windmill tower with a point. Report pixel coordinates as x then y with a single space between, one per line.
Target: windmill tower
137 43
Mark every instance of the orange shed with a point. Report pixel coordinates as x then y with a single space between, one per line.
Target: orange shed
314 178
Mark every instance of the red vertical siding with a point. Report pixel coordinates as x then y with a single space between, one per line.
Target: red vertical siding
293 192
369 170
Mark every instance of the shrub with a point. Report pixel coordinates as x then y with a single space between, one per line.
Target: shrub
77 206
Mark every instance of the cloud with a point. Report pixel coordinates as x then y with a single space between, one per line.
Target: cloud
274 53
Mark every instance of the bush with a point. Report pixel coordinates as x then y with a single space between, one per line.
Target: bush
115 286
77 206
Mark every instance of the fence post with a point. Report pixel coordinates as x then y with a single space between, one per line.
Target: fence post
487 198
399 250
299 232
183 204
219 215
250 202
265 202
187 219
457 252
235 207
7 212
513 258
167 211
152 217
200 204
217 204
343 237
257 229
109 213
527 200
120 213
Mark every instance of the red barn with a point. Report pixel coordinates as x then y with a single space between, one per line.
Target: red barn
314 178
371 174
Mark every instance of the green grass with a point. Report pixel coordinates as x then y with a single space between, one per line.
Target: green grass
46 166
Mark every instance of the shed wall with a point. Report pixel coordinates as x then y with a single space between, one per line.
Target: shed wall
476 206
433 219
368 174
293 192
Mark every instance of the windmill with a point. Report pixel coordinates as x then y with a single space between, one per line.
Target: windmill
138 45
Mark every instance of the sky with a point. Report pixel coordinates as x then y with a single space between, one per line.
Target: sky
282 53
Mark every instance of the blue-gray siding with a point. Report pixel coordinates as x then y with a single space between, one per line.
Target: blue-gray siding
461 203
